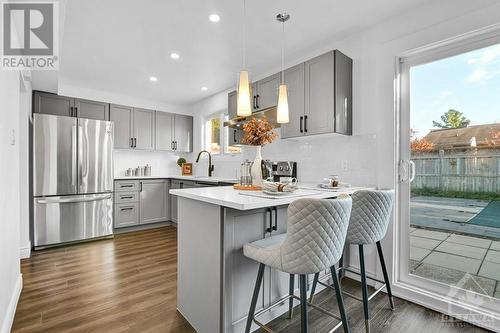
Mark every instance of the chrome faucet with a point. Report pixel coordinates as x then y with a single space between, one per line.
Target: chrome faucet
210 166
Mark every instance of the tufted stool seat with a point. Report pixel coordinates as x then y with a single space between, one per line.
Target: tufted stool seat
316 233
371 212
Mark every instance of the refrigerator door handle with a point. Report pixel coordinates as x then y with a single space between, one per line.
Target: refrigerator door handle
74 156
87 198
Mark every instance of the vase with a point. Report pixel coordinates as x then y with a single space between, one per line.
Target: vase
256 171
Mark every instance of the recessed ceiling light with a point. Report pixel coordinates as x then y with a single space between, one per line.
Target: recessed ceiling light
214 18
153 78
204 88
174 55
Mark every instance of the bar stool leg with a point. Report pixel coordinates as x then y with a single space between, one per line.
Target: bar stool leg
303 303
340 300
364 287
313 288
291 289
255 297
386 277
341 265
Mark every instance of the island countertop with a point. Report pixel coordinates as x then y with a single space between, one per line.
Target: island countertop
227 196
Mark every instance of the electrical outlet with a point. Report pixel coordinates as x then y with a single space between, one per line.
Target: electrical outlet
13 137
344 165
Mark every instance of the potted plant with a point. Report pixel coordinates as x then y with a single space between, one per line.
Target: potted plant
258 132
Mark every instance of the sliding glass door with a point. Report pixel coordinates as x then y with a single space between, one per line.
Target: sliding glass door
449 178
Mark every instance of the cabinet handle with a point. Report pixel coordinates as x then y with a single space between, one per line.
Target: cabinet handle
270 228
71 114
275 226
234 136
305 124
140 188
301 119
175 145
258 101
128 208
122 186
131 143
126 197
254 102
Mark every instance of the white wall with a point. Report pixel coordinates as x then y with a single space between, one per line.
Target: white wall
370 152
10 277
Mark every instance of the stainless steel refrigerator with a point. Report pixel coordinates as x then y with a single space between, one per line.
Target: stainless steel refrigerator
72 179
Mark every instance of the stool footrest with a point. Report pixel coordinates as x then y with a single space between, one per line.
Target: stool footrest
285 298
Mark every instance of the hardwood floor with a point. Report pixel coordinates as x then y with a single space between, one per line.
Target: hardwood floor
128 284
123 285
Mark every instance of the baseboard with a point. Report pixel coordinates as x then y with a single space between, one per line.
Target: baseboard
142 227
8 320
26 251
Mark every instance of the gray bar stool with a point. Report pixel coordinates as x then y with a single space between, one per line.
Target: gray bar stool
316 232
371 212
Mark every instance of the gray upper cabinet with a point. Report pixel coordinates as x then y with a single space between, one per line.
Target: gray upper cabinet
153 201
232 104
164 131
53 104
294 79
343 94
69 107
266 92
91 109
319 114
235 135
144 129
183 133
122 116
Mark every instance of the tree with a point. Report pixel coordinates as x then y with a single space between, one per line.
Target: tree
452 119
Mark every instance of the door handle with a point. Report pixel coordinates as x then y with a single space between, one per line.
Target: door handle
301 128
234 136
270 228
74 153
135 142
275 226
258 101
76 111
412 171
74 199
131 143
254 102
305 124
140 187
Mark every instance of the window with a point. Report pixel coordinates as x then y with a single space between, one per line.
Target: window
216 136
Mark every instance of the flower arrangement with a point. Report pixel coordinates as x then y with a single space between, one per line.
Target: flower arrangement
258 132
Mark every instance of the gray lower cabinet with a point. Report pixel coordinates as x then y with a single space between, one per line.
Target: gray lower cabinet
126 214
174 184
153 201
48 103
241 227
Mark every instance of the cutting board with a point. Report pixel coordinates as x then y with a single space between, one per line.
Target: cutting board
296 194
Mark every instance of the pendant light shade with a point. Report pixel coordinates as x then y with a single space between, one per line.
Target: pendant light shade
244 106
283 114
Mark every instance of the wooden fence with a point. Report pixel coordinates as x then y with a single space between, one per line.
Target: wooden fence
460 172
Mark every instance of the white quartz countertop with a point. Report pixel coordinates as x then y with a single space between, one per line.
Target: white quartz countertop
204 179
227 196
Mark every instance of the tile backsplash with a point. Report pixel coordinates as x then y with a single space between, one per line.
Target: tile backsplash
162 163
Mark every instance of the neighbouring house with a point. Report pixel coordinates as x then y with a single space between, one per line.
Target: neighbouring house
464 139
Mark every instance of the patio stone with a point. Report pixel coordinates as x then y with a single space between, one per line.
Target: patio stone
417 253
430 234
462 250
472 241
495 245
454 277
452 261
490 270
423 243
493 256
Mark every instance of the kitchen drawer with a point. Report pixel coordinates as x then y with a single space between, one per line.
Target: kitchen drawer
124 197
126 214
126 185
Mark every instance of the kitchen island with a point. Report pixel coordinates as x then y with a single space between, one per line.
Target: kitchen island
215 280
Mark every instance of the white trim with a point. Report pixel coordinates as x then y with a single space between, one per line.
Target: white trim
26 251
8 320
432 294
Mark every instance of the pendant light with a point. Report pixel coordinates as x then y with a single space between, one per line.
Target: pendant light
243 104
283 113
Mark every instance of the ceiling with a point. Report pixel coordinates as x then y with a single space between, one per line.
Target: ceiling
116 45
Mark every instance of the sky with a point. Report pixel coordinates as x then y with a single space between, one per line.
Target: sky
469 83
